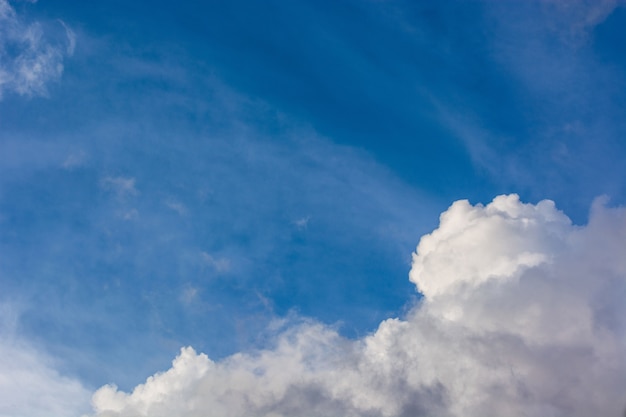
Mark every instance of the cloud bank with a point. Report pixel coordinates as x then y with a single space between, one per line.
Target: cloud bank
29 59
522 315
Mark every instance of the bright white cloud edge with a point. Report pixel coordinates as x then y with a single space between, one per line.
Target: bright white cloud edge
522 315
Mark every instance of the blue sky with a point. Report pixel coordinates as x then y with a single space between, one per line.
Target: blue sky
207 175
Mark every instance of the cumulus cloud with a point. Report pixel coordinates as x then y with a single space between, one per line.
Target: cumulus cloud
29 59
29 384
522 314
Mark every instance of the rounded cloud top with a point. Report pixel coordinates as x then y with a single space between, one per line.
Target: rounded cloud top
476 244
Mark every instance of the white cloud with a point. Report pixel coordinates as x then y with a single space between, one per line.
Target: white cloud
29 384
29 59
522 315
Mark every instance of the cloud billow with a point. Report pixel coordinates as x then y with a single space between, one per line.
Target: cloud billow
522 315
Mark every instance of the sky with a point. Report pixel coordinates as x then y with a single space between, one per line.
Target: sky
312 208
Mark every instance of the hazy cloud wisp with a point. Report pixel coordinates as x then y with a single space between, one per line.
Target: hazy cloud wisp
29 59
30 386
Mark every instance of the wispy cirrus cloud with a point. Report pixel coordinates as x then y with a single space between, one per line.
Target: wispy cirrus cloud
573 20
522 314
561 87
29 58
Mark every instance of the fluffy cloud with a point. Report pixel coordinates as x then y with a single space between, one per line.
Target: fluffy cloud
28 59
29 384
522 315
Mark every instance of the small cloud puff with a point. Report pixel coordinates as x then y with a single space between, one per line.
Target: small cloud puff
220 265
75 160
302 223
121 186
522 314
176 206
188 295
